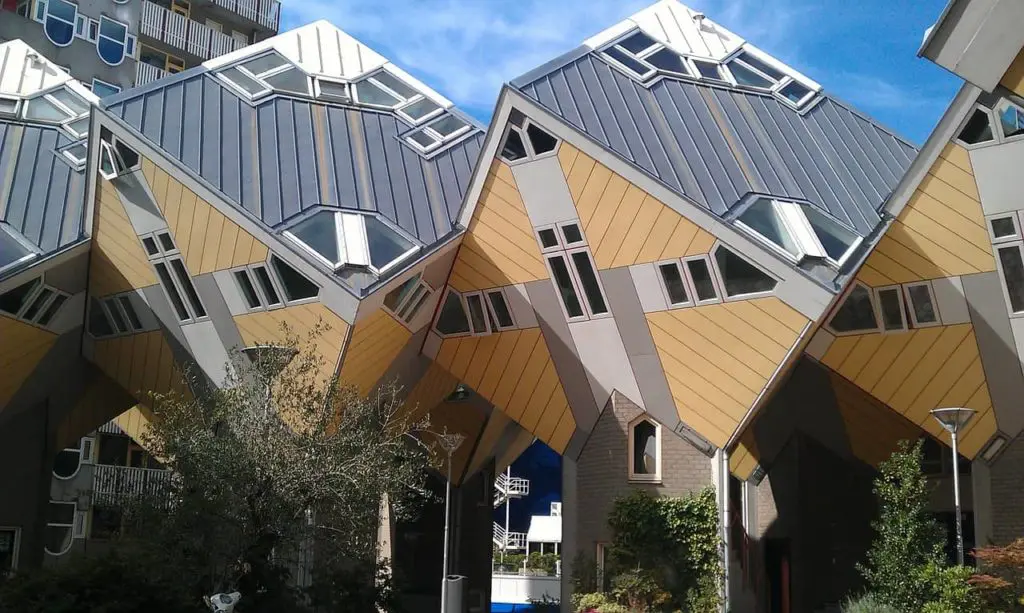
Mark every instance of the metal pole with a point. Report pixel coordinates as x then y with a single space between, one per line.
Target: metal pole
444 566
508 500
956 502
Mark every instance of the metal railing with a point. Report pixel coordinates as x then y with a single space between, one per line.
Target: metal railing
509 541
183 33
144 73
267 13
111 483
506 487
110 427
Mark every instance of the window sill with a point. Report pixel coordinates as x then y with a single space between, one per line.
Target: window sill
645 480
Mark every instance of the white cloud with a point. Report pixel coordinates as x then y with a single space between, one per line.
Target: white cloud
466 49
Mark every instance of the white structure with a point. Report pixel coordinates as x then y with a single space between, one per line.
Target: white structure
523 586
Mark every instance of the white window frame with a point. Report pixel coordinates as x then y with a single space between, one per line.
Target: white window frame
352 243
440 307
120 167
118 305
1013 216
697 301
438 138
508 306
17 106
565 241
1019 245
587 307
411 308
88 447
573 280
129 49
638 57
31 298
484 310
634 477
70 527
102 82
167 257
318 90
531 153
876 296
65 153
403 101
997 110
684 275
600 561
723 76
71 115
261 77
33 251
720 277
558 237
249 271
842 300
909 304
44 6
78 469
800 230
992 121
16 546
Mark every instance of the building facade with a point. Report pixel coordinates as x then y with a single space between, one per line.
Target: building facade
675 260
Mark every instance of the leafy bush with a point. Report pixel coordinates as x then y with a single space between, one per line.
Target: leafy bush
513 562
1002 582
639 590
596 602
868 603
951 591
544 562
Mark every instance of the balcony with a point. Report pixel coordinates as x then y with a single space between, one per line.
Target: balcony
182 33
113 483
144 73
267 13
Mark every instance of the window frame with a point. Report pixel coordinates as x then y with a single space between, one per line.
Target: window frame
996 132
558 237
319 94
30 300
15 547
508 306
720 277
909 304
262 77
249 270
70 527
574 271
78 469
524 136
683 274
798 225
998 123
103 83
65 153
344 234
1019 246
1014 217
128 49
484 310
110 149
167 257
876 296
411 305
440 307
573 281
842 300
44 5
697 301
403 100
632 476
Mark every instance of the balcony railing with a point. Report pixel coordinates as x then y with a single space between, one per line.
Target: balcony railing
183 33
267 13
144 73
113 483
110 427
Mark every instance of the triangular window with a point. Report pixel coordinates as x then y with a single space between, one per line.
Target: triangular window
978 128
857 313
739 276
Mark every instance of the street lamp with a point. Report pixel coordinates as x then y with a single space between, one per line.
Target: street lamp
449 441
953 420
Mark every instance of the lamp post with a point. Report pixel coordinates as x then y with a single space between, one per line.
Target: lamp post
449 442
953 420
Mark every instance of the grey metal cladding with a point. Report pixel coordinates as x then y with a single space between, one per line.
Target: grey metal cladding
45 198
713 145
287 155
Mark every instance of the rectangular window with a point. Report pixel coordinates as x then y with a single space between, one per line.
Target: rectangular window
413 305
266 285
10 545
571 233
890 305
115 315
703 284
248 289
588 280
565 286
129 312
1004 228
477 317
920 299
675 286
1012 267
190 290
172 291
548 239
499 309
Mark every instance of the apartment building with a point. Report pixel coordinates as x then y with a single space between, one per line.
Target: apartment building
112 45
672 258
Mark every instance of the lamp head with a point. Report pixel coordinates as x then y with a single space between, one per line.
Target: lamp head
953 419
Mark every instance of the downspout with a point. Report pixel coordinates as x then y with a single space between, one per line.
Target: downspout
723 489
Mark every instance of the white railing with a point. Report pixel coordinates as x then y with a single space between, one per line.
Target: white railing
506 487
144 73
182 33
114 482
509 541
110 427
267 13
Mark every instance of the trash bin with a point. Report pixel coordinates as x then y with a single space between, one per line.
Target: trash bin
454 592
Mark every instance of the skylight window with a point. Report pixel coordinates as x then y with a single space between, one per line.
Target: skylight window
261 75
386 90
116 158
798 231
13 251
340 239
522 133
333 90
61 106
749 70
433 135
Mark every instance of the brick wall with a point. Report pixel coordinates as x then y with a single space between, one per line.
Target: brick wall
1008 494
602 470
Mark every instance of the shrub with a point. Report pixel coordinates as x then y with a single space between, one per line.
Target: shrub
868 603
596 602
546 563
1002 582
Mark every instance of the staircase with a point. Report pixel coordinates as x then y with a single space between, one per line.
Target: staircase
509 541
506 487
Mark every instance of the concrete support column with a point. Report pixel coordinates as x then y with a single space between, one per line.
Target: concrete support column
570 517
981 491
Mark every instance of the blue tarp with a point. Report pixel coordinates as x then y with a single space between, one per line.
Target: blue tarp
499 607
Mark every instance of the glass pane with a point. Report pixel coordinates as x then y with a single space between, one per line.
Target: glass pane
745 76
334 91
395 84
978 129
541 141
892 310
129 310
1011 119
320 234
1013 275
58 538
98 323
762 218
113 29
296 286
102 89
921 302
563 281
514 148
645 446
476 313
166 241
420 109
107 160
73 101
397 296
500 308
11 250
548 238
62 9
12 300
448 125
588 278
794 92
452 319
668 60
1003 227
265 63
740 276
263 278
771 71
190 290
8 106
126 156
293 80
65 465
836 239
572 234
674 286
702 283
386 245
708 70
856 313
41 109
79 126
248 290
628 61
51 310
172 291
150 245
368 93
243 81
37 304
637 42
416 307
423 139
416 297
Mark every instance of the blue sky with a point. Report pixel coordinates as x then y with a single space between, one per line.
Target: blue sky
862 51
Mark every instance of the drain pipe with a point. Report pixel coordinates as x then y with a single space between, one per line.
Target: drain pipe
723 489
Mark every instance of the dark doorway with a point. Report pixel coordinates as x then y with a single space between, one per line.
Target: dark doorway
777 569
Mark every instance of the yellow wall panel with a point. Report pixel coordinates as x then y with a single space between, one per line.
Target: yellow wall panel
744 458
1013 80
455 417
375 342
135 422
136 359
434 386
117 262
100 401
872 429
495 427
563 431
278 326
21 348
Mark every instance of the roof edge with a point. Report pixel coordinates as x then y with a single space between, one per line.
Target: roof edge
550 66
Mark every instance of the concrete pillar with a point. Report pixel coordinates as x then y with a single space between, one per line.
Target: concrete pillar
570 515
981 492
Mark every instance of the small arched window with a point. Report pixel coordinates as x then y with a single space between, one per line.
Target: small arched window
68 462
60 527
644 449
59 21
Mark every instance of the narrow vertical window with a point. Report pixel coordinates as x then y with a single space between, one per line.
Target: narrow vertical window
566 289
190 289
248 289
703 285
1013 276
263 278
172 291
588 279
477 317
129 311
890 304
500 308
922 304
675 287
644 450
115 316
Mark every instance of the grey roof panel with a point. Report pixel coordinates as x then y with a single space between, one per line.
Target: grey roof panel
713 145
287 155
